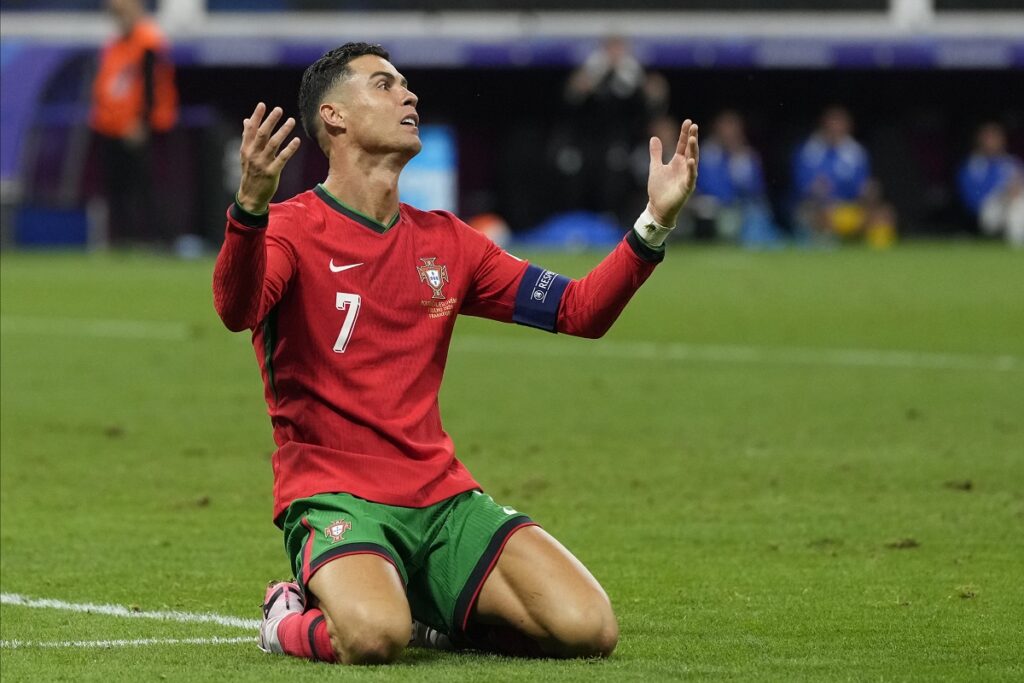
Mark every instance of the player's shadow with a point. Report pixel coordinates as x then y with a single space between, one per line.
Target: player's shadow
414 656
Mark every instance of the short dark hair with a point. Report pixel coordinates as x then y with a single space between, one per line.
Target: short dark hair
323 74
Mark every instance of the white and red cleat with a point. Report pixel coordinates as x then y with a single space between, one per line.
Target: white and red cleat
282 599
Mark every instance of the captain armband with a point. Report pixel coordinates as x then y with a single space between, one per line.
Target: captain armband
540 292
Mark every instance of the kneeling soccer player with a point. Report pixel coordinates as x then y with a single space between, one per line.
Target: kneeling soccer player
352 299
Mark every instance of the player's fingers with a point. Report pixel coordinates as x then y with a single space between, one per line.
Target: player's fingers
684 135
256 117
250 124
693 145
248 127
287 153
263 132
257 114
655 152
277 138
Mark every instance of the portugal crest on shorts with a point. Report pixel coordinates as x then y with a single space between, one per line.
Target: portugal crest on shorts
335 531
434 275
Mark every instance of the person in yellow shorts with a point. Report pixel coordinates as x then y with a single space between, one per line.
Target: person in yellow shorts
836 196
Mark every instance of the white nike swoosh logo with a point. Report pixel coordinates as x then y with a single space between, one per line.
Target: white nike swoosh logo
338 269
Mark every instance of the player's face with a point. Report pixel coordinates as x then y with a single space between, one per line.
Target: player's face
380 110
837 124
729 130
991 140
123 10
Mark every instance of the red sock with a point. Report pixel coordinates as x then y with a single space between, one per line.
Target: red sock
305 635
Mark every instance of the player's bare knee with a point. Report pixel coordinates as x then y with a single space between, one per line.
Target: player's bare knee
587 630
371 640
372 648
604 640
597 635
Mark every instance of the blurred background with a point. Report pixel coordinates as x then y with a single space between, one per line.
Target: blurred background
861 121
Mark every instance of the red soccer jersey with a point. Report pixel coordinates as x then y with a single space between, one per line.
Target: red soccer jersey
351 325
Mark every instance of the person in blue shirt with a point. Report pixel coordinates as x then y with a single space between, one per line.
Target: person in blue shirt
730 185
835 193
991 183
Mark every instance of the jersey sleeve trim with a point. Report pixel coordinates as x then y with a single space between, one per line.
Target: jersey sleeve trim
540 292
644 251
247 219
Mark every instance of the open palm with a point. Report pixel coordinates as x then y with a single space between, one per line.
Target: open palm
670 185
262 158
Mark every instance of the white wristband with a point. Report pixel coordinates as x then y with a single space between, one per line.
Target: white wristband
650 231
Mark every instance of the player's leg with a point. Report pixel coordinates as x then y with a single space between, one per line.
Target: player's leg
117 183
352 576
992 217
363 601
539 594
362 620
1015 220
880 231
495 581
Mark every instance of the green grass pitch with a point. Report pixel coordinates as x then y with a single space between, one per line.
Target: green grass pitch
781 466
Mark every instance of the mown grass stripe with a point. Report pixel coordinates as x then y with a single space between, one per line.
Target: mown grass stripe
755 355
150 330
605 348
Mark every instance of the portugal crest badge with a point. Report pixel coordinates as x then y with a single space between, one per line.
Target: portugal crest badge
434 275
335 531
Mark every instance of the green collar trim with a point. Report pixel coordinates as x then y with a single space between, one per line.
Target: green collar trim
346 210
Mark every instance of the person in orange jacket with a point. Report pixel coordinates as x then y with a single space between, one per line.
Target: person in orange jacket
133 97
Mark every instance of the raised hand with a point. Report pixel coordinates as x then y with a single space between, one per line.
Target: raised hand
261 161
670 185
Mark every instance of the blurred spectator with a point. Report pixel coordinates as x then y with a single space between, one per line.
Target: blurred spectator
134 96
992 185
611 100
836 195
493 227
610 74
730 185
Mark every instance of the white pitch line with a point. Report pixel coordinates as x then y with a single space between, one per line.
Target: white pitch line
215 640
127 612
763 355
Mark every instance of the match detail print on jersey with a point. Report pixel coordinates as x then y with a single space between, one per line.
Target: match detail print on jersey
540 292
435 276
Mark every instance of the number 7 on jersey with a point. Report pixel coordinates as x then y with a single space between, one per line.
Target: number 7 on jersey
350 304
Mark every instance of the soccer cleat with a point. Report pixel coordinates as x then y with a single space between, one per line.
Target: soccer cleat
425 636
282 599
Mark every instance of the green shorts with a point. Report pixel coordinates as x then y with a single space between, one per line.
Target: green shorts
443 552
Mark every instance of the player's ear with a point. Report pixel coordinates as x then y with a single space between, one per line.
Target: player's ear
332 117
